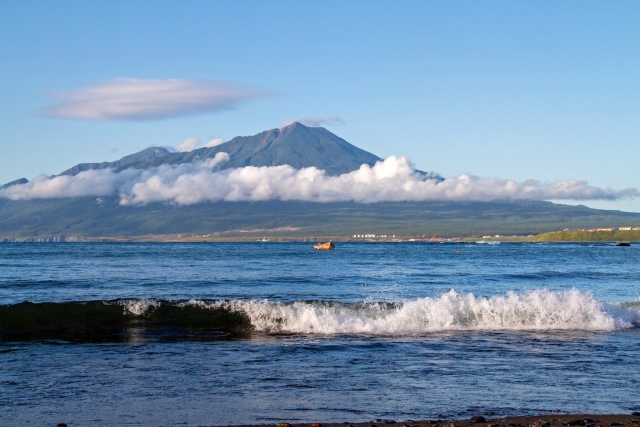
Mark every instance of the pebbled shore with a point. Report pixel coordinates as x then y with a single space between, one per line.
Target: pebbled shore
585 420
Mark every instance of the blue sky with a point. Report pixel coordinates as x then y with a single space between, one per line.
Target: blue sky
518 90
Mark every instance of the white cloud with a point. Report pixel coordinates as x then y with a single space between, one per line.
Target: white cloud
393 179
136 99
315 121
188 144
214 142
168 147
101 182
191 144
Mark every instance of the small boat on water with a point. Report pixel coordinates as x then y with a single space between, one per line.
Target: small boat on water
324 246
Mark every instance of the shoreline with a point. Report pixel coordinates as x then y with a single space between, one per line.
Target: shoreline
553 420
311 240
275 236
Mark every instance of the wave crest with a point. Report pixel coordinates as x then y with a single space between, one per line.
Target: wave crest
453 311
537 310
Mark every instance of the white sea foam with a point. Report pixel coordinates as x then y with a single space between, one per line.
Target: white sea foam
537 310
139 307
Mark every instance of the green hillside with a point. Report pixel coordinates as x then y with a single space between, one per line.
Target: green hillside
585 236
89 217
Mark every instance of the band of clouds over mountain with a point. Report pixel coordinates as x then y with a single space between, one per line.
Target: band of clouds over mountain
393 179
136 99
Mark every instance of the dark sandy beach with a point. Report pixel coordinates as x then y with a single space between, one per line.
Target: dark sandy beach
585 420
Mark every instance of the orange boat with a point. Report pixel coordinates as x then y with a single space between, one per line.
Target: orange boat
324 246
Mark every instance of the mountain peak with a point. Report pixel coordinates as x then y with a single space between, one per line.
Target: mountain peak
295 145
289 126
294 125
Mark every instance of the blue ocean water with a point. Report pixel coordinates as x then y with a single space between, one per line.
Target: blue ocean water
223 333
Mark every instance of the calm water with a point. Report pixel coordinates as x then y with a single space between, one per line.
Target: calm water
188 334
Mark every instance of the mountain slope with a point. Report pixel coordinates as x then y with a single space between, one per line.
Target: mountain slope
123 163
296 145
89 216
15 182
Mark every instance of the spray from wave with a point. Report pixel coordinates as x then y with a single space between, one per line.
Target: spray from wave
537 310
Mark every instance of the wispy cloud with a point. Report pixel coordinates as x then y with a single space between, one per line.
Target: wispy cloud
393 179
168 147
316 121
188 144
136 99
214 142
191 144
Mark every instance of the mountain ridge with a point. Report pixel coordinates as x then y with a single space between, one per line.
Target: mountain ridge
298 146
126 161
295 145
14 182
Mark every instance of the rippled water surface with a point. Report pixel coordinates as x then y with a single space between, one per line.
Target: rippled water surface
159 334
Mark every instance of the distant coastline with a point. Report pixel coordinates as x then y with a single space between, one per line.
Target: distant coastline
280 235
590 236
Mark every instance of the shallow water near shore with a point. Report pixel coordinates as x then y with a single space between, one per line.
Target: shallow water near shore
162 334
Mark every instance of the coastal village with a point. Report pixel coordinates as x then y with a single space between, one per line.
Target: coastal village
398 238
591 230
280 234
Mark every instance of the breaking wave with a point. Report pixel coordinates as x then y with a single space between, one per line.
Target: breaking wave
538 310
532 311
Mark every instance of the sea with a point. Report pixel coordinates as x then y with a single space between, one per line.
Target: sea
151 334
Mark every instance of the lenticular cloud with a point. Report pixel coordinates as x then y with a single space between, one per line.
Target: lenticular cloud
137 99
391 180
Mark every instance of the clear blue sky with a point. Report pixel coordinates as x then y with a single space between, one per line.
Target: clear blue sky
542 90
